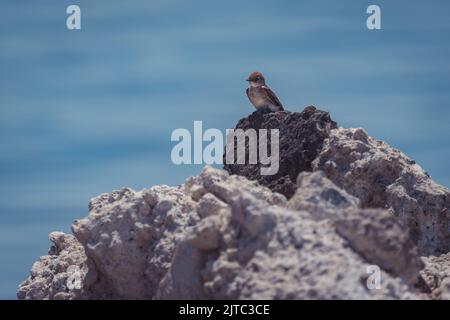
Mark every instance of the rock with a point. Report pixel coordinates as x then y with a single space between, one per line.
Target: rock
209 204
370 170
65 273
382 240
154 244
131 237
436 276
292 257
301 137
383 177
375 234
206 234
362 221
183 279
321 197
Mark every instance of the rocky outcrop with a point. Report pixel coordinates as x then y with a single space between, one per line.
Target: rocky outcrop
378 175
381 176
217 237
301 135
336 230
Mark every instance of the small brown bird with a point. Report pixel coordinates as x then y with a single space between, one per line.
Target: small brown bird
260 95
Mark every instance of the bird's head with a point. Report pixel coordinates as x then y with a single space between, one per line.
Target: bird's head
256 79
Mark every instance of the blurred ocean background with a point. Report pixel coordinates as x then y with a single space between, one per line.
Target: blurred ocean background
86 112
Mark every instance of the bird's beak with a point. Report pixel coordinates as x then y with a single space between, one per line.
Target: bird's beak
247 79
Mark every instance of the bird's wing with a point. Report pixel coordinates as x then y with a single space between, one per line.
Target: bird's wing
272 97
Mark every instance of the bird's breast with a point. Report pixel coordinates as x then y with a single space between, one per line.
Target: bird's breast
257 98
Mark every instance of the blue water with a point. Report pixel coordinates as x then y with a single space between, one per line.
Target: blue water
85 112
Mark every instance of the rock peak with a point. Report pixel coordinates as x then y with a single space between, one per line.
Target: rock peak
301 138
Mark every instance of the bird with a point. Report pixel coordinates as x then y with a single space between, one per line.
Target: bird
260 95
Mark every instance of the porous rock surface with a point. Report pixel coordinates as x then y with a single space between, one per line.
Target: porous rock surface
215 237
301 135
55 276
436 276
371 170
383 177
226 236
